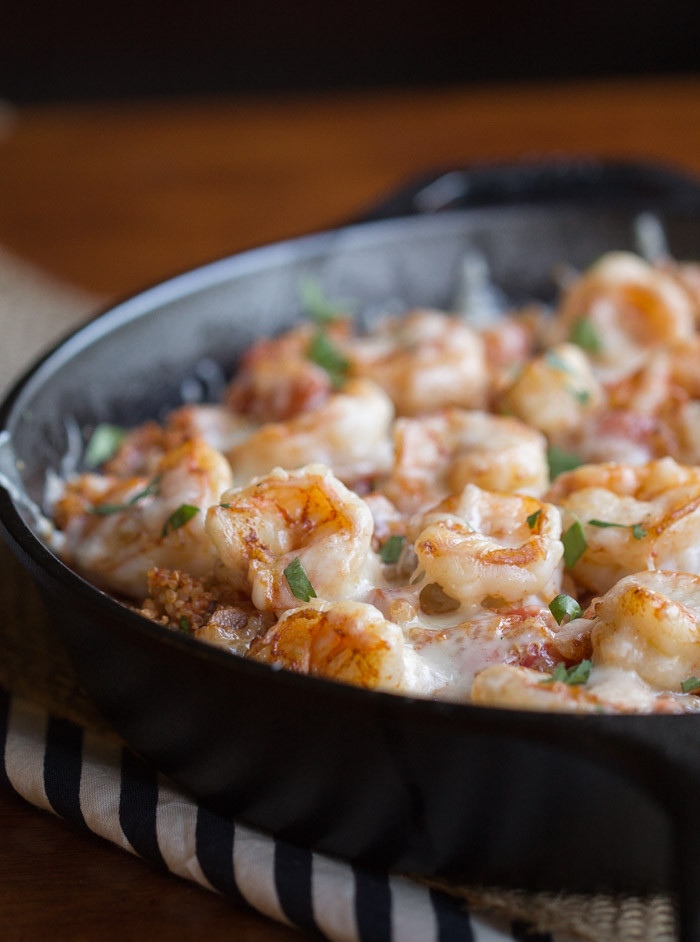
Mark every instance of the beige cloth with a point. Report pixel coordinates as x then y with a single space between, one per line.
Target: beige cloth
35 310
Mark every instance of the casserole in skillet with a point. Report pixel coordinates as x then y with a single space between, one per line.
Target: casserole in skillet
435 788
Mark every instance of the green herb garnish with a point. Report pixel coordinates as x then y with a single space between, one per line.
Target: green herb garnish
692 683
575 544
556 361
103 444
574 676
391 550
104 510
558 674
322 352
178 518
585 335
560 461
225 506
184 624
298 581
533 518
638 531
317 306
579 673
581 395
564 605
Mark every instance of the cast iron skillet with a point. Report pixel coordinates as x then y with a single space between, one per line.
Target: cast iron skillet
482 795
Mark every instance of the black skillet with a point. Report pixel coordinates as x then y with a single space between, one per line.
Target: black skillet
499 797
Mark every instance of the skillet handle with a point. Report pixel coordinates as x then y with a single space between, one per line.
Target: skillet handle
534 182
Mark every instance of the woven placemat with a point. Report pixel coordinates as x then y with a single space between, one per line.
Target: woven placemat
34 311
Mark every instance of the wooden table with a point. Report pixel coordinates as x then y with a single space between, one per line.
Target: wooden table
114 197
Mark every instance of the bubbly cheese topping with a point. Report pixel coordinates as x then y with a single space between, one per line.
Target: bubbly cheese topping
498 510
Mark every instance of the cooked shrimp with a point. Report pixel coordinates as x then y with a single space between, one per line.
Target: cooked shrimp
632 309
651 413
619 691
115 529
638 420
682 359
520 688
141 451
650 623
647 389
687 274
259 530
482 544
144 446
426 360
349 433
645 482
555 392
631 438
388 520
439 454
511 341
652 514
350 642
683 423
218 426
277 379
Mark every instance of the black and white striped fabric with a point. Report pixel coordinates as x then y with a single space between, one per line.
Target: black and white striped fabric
96 784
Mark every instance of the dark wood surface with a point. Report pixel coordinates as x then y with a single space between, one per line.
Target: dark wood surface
114 197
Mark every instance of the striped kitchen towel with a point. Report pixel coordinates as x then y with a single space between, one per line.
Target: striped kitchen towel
98 784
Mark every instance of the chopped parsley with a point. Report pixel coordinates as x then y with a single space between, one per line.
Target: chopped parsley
298 581
638 531
584 335
573 676
564 605
560 461
178 518
556 361
580 395
391 550
103 444
533 518
225 506
690 685
322 352
184 624
104 510
575 544
317 306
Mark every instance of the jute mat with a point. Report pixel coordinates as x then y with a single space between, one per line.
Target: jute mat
36 310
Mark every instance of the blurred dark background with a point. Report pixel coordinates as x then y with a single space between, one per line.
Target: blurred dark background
84 51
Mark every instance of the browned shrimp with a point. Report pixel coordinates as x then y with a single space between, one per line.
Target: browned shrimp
306 515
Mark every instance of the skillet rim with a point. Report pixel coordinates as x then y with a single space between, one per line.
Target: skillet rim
36 556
